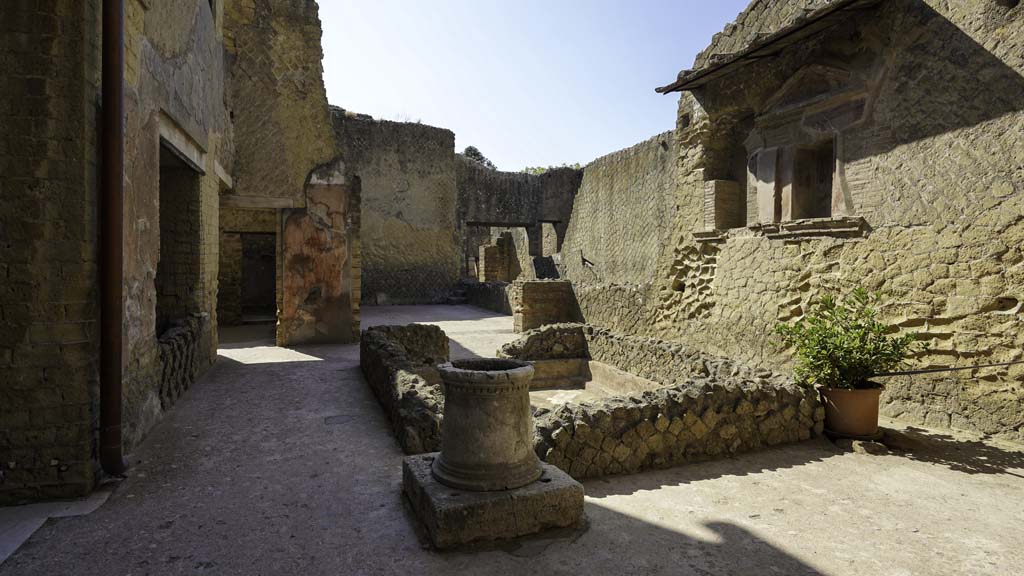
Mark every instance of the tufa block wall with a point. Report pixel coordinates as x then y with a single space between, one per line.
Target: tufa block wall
540 302
933 194
407 237
400 365
622 216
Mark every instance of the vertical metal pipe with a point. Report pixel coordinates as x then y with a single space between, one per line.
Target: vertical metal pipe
111 238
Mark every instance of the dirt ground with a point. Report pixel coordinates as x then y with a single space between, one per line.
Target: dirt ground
279 461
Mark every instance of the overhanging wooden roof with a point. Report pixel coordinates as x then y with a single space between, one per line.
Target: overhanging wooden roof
768 45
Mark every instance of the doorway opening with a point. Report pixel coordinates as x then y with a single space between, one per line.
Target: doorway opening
259 277
177 272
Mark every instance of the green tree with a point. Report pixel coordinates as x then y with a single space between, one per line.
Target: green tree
474 153
538 170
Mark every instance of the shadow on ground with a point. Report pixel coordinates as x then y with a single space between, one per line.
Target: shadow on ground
720 548
778 458
959 454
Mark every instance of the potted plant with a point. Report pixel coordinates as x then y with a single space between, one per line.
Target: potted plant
840 345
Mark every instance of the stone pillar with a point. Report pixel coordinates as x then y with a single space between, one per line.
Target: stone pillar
535 235
487 433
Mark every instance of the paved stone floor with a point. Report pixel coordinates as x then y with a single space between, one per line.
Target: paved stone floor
280 462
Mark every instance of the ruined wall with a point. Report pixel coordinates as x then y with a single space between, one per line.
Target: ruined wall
530 205
317 299
521 263
761 17
49 340
400 366
277 99
496 296
174 101
933 213
623 215
407 181
540 302
283 135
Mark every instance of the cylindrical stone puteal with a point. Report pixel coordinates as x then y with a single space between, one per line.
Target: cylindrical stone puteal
487 431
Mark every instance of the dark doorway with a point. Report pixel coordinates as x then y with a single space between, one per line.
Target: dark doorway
259 282
177 270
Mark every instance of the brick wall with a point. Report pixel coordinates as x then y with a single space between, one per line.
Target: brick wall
540 302
48 235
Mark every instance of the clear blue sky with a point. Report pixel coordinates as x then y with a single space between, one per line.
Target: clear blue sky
528 82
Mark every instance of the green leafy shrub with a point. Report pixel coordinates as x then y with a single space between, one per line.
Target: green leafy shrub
842 344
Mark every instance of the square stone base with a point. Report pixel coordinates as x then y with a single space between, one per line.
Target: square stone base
455 517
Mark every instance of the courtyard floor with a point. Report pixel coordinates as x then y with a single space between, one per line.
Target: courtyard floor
279 461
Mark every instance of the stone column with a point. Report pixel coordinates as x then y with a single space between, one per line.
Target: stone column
487 433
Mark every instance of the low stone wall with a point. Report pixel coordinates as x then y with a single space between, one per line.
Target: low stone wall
709 407
650 358
496 296
544 302
698 420
400 364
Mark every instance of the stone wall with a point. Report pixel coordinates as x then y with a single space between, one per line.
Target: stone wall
317 298
523 202
760 18
699 420
48 236
928 206
407 178
709 406
174 95
400 365
496 296
178 138
521 263
283 140
540 302
623 215
277 99
179 360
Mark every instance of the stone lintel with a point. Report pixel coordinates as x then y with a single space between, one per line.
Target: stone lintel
456 517
258 202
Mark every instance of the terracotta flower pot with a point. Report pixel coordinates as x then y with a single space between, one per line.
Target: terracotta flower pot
851 413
